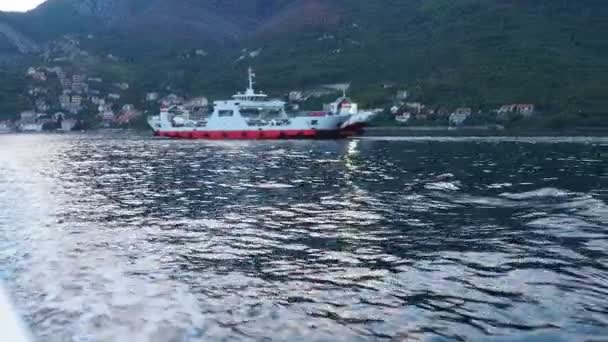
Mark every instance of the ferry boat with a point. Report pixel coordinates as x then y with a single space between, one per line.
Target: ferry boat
249 115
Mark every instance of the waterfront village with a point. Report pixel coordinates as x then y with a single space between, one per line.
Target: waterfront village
64 101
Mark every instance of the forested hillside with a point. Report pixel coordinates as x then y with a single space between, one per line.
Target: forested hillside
479 53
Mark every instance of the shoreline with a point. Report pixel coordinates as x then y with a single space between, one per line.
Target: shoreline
482 131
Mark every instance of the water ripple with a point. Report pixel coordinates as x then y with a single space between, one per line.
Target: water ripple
127 238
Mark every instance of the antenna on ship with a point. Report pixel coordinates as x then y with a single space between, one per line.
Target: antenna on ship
344 87
251 77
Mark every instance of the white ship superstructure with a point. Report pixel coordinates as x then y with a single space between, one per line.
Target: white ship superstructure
358 119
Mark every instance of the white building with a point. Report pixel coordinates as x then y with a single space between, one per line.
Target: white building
28 116
403 117
295 96
67 83
254 54
122 86
197 102
152 97
64 100
402 95
526 110
416 106
77 79
173 99
460 116
114 96
108 115
42 106
128 108
95 100
76 100
103 107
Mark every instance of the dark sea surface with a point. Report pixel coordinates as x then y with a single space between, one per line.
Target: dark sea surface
118 238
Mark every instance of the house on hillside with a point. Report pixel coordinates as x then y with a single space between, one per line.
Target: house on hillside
64 101
151 97
95 100
37 91
254 54
128 107
422 116
122 86
417 107
103 106
77 100
41 105
127 117
459 117
66 83
403 117
197 102
295 96
78 79
173 99
78 84
114 96
61 76
40 76
28 116
402 95
527 110
37 74
107 115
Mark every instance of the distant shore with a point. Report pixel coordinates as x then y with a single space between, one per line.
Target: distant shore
482 131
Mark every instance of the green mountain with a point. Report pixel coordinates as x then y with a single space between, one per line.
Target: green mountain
479 53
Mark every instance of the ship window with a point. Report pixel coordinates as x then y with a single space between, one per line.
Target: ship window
314 122
224 113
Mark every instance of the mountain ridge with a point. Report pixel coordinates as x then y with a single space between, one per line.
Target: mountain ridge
182 20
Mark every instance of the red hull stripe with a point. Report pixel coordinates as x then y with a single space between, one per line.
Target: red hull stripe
251 135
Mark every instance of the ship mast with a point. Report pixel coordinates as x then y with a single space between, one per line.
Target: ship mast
251 82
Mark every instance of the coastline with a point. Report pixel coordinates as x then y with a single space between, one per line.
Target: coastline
397 131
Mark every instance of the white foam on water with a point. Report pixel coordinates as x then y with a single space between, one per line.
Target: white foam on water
544 192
